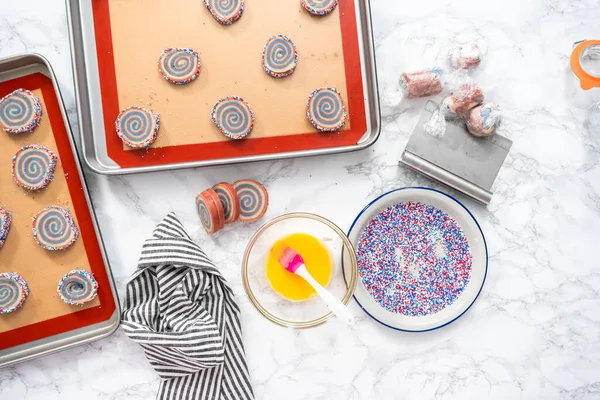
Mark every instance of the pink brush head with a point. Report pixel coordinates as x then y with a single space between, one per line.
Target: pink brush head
290 259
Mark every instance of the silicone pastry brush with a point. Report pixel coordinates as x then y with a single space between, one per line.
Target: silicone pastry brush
293 262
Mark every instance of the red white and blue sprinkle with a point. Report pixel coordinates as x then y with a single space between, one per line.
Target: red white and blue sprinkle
414 259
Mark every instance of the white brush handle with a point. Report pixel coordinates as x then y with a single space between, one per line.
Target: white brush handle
336 306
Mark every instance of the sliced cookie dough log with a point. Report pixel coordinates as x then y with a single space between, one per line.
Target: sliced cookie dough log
137 127
179 66
5 221
254 199
33 167
230 201
20 112
77 287
319 7
13 292
279 57
325 109
233 116
225 11
54 228
210 210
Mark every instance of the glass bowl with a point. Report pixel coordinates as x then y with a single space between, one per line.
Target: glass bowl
311 312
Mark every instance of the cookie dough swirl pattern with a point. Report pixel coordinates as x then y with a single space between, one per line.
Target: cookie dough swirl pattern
54 228
13 292
179 66
233 116
254 199
325 110
225 11
77 287
137 127
33 167
280 56
319 7
20 111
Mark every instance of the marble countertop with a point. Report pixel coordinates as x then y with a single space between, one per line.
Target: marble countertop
534 332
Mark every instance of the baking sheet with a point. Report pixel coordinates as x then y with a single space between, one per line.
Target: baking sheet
116 45
45 324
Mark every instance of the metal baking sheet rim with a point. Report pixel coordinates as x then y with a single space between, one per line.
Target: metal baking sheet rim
88 334
82 40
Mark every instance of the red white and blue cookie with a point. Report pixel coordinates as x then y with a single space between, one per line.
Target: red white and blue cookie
279 56
20 111
325 109
179 66
5 220
230 201
233 116
33 167
137 127
210 210
254 199
225 11
13 292
319 7
77 287
54 228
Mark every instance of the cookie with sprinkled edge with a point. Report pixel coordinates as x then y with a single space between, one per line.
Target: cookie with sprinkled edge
279 57
179 66
137 127
33 167
77 287
325 109
210 210
5 221
233 116
319 7
13 292
20 112
230 201
54 229
225 12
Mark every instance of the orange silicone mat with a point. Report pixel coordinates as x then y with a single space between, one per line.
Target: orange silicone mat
131 34
44 314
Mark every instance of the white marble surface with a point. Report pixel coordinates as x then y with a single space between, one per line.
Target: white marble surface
535 331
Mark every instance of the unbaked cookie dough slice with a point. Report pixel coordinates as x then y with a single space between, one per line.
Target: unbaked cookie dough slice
137 127
225 11
280 57
20 112
77 287
33 167
319 7
325 109
54 229
13 292
233 116
179 66
5 221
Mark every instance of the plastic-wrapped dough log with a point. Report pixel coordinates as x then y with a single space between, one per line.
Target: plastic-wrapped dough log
483 120
467 96
421 84
465 57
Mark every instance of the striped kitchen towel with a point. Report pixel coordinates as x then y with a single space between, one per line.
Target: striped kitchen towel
181 311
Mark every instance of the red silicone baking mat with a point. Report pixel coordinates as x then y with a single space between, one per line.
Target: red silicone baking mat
131 34
43 313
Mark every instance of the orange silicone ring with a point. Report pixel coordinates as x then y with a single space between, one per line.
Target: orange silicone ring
586 80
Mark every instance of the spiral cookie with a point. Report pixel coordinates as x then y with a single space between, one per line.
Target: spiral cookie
279 56
137 127
319 7
20 111
233 116
77 287
254 199
5 220
225 11
211 211
325 109
54 228
179 66
229 200
33 167
13 292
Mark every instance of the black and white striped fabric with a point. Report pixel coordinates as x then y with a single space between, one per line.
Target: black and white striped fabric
181 311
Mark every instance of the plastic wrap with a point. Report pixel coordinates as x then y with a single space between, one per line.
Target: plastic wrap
465 57
421 84
468 96
483 120
436 124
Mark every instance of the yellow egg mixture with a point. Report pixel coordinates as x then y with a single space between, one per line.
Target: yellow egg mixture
317 261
